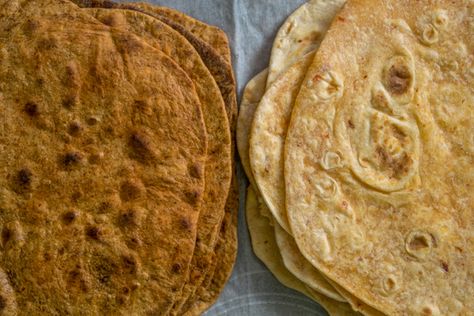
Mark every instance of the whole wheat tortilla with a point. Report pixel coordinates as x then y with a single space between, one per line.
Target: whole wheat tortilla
100 194
209 38
226 253
266 249
218 167
212 35
301 33
219 66
222 72
251 97
209 287
379 156
267 138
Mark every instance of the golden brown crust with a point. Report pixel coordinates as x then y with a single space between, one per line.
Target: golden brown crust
226 253
221 69
209 34
218 168
103 194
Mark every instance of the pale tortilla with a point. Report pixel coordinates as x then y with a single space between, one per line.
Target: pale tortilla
266 249
379 156
301 33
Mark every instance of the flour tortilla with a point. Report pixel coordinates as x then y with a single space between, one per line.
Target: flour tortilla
267 138
301 33
334 308
355 303
379 156
300 267
218 169
275 109
100 203
253 93
266 249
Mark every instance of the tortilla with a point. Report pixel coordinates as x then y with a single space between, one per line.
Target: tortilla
218 168
266 249
301 33
267 138
100 205
222 72
220 68
253 93
212 35
334 308
274 111
226 254
379 156
355 303
300 267
269 131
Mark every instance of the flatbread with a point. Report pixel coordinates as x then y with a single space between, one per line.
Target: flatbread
300 267
226 249
226 254
212 35
269 131
267 138
220 68
212 284
355 303
253 93
379 156
291 257
218 167
334 308
301 33
266 249
100 204
222 72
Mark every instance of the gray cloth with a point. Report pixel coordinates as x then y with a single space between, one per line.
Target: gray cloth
251 26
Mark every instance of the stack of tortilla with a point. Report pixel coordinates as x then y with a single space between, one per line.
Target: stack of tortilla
358 144
118 194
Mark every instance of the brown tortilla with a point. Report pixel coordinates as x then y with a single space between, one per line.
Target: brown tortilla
212 35
220 68
218 168
222 71
100 204
226 254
